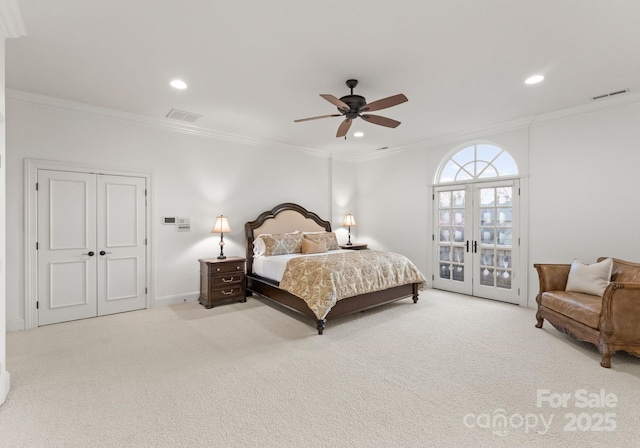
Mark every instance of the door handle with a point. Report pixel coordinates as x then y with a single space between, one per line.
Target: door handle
467 246
90 253
104 253
475 247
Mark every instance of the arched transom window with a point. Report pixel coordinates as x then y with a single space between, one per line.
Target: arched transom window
481 161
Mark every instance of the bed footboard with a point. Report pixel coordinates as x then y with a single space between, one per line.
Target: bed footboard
270 290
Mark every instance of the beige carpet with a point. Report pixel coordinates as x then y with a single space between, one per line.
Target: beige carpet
448 371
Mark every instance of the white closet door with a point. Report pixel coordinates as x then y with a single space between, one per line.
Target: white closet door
91 245
66 246
121 250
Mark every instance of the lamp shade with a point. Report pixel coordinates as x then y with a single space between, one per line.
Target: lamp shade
349 220
222 225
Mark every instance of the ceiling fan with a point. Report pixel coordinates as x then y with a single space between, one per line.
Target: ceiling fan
354 106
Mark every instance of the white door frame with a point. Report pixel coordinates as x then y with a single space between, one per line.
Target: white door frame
31 167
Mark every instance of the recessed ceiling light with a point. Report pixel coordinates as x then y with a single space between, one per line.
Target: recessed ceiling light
535 79
358 134
178 84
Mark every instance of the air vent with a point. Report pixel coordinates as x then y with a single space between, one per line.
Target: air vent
606 95
181 115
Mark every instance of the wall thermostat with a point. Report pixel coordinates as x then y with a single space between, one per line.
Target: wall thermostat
169 220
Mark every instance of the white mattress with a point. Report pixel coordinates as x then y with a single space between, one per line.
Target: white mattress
273 267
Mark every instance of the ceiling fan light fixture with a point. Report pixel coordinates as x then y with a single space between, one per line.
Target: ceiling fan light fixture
178 84
535 79
353 106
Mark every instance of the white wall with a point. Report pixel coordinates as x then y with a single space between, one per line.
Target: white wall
579 170
4 376
11 26
193 176
584 188
344 195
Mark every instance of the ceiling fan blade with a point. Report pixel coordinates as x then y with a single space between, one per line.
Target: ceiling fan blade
336 102
344 127
316 118
382 121
384 103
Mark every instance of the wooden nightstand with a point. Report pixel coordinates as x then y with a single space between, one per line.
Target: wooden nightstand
354 246
221 281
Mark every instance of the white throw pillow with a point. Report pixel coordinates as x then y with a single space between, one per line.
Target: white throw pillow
259 248
590 278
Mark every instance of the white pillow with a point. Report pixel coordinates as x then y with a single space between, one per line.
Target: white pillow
259 248
590 278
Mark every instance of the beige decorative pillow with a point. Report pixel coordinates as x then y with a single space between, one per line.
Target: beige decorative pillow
309 247
329 239
282 244
590 278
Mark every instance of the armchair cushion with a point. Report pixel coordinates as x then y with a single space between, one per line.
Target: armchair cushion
584 308
590 278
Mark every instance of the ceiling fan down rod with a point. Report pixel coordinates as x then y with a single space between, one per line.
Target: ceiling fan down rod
352 83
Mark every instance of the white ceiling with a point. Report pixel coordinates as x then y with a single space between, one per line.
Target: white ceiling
253 66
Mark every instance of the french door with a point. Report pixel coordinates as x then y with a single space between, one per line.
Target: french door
91 245
477 239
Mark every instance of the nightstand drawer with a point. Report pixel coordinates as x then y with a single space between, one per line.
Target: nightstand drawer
222 280
236 266
228 293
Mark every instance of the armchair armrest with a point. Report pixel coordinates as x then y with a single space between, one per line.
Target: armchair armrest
620 319
553 277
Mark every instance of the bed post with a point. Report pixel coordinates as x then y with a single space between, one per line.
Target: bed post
415 293
320 325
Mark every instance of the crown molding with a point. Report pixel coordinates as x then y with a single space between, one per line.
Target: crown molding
453 139
49 102
450 139
592 107
11 23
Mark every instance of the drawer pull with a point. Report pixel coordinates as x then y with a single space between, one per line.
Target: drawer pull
230 280
227 293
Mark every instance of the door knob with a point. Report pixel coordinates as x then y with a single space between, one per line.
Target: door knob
104 253
91 253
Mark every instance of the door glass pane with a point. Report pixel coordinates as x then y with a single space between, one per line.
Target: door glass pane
451 235
487 277
444 199
496 219
503 275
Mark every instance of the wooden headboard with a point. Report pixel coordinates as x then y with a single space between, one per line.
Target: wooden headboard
283 218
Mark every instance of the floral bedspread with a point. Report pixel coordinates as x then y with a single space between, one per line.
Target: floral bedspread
322 280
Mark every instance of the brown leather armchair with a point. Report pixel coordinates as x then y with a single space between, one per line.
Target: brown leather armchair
611 322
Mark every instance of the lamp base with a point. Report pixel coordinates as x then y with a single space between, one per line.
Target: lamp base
221 257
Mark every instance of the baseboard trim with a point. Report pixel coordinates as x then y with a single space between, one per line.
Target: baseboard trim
5 384
176 299
15 325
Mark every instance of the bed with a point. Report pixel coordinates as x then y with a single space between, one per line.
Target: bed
294 221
